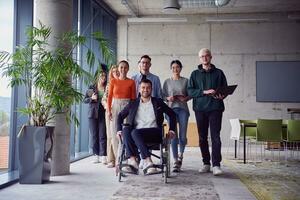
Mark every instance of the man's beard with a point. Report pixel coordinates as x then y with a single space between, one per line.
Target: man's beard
146 95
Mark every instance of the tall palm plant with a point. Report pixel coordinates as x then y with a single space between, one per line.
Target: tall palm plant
49 71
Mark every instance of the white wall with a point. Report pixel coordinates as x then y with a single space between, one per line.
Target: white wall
235 48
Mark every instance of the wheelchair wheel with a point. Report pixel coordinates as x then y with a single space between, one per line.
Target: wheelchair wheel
168 162
166 174
162 159
120 162
120 176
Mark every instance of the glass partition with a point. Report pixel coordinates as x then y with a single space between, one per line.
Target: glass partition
6 44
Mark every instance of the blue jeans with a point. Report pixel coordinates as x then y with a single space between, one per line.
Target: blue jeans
182 117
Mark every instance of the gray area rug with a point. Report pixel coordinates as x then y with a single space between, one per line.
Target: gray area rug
188 184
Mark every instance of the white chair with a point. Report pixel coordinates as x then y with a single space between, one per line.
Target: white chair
235 132
235 129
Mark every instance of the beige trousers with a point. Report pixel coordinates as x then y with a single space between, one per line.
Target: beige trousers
110 152
117 107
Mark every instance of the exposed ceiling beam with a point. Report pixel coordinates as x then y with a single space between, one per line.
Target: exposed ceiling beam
157 20
202 3
236 19
130 7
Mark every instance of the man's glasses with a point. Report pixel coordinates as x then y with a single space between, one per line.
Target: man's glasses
205 56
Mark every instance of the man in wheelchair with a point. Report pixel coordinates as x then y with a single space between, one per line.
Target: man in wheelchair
145 123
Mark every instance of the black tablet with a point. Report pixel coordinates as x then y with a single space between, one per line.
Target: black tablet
225 90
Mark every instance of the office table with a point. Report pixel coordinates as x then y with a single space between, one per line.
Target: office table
246 125
293 111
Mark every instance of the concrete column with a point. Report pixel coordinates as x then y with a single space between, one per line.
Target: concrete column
60 164
57 14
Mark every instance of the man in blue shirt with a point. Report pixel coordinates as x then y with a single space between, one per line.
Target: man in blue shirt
144 65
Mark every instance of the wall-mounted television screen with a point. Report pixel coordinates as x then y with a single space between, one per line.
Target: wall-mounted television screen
278 81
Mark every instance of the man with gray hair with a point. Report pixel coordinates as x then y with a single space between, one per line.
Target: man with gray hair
208 107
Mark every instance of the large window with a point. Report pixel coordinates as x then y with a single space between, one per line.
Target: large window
6 44
92 16
13 34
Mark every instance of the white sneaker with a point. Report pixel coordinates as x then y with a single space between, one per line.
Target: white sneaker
149 168
217 171
96 159
111 165
133 163
205 169
103 160
132 168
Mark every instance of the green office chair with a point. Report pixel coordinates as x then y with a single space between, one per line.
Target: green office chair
250 131
293 130
293 134
269 130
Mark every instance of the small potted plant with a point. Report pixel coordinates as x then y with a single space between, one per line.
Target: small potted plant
47 74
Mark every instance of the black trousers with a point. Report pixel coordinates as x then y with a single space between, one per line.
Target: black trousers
138 138
98 133
213 120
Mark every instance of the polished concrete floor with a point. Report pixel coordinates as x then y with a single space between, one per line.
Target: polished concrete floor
96 181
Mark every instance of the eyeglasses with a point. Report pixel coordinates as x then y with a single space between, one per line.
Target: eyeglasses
205 56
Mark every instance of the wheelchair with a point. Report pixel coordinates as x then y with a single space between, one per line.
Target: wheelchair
164 157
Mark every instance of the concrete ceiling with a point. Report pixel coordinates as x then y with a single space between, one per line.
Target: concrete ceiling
155 7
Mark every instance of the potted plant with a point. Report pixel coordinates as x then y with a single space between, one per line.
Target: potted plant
47 75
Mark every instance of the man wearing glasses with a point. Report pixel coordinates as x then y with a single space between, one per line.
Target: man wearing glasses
144 67
208 107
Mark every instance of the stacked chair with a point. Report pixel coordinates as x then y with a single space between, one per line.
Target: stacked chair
237 134
269 130
292 137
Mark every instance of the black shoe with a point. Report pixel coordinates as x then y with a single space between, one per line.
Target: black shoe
180 159
176 167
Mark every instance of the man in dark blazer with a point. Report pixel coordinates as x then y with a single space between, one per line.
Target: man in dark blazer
145 118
